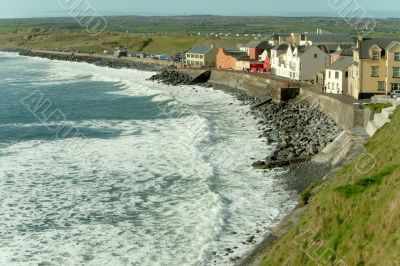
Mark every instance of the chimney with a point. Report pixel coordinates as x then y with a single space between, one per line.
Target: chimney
359 40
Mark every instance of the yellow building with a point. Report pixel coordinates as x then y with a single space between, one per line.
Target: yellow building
201 56
376 67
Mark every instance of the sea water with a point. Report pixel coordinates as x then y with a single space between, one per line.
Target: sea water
100 166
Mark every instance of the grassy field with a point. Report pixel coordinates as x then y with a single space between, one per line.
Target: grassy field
206 24
81 40
353 216
165 34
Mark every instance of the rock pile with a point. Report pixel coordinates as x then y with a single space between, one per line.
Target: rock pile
299 130
171 77
93 59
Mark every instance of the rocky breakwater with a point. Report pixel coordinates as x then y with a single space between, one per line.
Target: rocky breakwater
172 77
299 131
92 59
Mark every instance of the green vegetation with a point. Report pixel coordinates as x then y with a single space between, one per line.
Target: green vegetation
168 35
81 40
177 25
353 217
377 107
306 195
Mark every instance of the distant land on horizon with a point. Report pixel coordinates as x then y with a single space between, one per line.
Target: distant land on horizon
330 14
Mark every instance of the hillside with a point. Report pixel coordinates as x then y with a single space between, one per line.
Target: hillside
81 40
353 217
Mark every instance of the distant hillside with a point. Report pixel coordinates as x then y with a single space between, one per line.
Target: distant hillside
82 41
178 25
354 215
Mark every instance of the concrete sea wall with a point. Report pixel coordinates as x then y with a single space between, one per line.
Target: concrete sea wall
338 107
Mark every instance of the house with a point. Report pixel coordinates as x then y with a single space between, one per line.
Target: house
342 50
232 59
201 56
298 62
255 48
336 75
265 58
376 67
235 59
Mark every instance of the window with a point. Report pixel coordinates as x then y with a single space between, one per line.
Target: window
329 85
397 56
375 55
337 86
395 86
347 74
381 86
201 56
337 75
396 72
315 55
375 71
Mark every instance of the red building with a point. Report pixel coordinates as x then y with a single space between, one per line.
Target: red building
255 48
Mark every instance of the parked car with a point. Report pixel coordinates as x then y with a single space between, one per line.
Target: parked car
395 94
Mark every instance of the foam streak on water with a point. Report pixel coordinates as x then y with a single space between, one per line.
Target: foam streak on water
173 182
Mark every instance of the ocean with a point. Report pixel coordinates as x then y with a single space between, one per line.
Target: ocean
100 166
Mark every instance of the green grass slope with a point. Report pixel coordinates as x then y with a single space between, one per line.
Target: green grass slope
354 215
81 40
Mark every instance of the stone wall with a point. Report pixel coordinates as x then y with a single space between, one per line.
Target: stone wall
342 113
263 87
341 109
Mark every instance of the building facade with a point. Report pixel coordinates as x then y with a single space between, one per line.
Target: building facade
298 62
337 74
201 56
376 67
255 48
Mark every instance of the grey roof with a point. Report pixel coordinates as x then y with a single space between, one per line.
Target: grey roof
281 47
257 44
199 49
342 63
303 49
238 54
345 50
335 37
382 43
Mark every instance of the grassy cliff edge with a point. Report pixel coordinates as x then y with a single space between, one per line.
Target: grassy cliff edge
354 215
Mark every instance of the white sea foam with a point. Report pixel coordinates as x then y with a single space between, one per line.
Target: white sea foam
164 192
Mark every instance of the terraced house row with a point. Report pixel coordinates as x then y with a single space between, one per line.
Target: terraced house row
337 63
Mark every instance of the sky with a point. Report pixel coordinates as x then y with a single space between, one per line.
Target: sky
53 8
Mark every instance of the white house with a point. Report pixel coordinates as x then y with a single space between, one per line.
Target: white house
337 75
298 62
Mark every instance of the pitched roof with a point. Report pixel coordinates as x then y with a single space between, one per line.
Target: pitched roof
258 44
238 54
281 47
382 43
342 63
335 37
345 50
199 49
303 49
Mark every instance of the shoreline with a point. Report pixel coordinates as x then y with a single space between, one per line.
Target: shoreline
298 177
